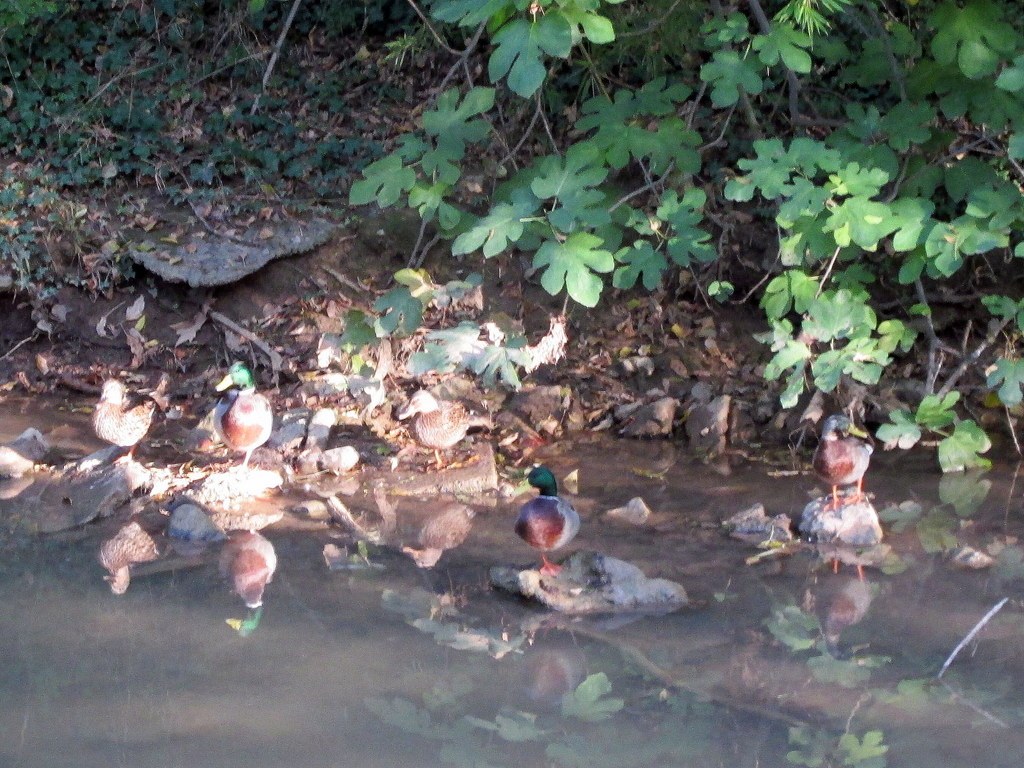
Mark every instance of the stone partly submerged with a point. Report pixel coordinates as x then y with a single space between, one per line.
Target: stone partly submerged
590 582
204 259
21 454
853 523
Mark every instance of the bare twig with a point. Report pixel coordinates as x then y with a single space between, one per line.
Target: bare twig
971 359
24 341
276 361
651 184
828 272
1013 434
274 56
547 126
463 57
933 341
429 26
650 27
970 635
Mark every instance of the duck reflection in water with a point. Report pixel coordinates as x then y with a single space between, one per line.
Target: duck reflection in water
249 561
844 608
551 671
440 532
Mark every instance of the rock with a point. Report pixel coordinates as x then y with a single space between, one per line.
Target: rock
753 525
72 498
308 461
319 429
652 420
234 486
190 522
22 453
476 477
538 404
852 523
635 512
287 438
971 558
707 425
314 509
592 583
252 519
340 460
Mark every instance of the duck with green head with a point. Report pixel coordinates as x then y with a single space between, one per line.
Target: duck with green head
243 418
547 521
842 457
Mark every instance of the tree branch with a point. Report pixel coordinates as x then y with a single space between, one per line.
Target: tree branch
273 57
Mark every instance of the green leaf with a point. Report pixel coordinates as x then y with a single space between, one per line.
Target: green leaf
499 228
867 752
786 43
468 13
639 261
402 312
519 47
572 264
962 449
571 181
588 701
1012 77
796 629
838 315
936 412
848 673
686 240
451 127
974 37
794 289
727 73
1008 375
902 430
384 181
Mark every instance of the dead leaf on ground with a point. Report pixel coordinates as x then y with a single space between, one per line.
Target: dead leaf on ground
187 329
135 311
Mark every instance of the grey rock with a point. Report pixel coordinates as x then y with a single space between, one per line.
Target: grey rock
339 460
22 453
478 476
204 260
590 582
290 433
707 425
537 404
753 524
635 512
319 429
190 522
652 420
855 523
970 558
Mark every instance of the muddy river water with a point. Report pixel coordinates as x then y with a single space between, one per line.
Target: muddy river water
780 663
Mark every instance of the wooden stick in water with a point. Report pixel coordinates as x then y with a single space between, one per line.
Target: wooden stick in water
970 635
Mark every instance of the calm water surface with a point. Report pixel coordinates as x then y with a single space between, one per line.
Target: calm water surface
779 663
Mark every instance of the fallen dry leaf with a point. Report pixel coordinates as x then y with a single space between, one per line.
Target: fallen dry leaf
135 311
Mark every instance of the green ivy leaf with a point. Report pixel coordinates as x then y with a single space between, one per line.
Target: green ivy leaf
974 37
589 703
867 752
686 241
571 181
401 312
639 260
936 412
901 430
573 264
726 73
519 47
1008 375
786 43
502 226
384 181
794 289
796 629
962 449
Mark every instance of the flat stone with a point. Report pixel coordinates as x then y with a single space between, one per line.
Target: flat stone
479 475
201 259
233 487
590 582
22 453
753 525
290 433
635 512
852 523
652 420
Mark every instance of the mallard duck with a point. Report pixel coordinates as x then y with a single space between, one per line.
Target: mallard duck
129 545
443 531
243 417
117 425
842 457
439 424
547 521
249 560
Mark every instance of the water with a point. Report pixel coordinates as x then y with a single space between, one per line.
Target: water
780 663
